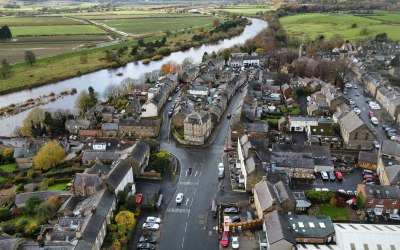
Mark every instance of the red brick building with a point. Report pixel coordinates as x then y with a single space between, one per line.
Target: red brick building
380 199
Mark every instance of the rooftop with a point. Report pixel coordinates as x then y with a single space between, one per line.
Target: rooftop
305 226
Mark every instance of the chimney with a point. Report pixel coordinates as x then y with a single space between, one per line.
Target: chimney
48 237
104 182
264 178
78 233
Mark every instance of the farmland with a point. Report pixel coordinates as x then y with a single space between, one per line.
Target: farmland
37 21
56 30
313 25
246 9
155 24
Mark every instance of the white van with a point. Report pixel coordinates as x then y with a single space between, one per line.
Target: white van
374 121
221 166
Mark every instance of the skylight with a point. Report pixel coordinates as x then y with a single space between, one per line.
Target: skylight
322 225
311 224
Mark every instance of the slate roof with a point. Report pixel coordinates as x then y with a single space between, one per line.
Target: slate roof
79 123
391 148
283 191
66 222
199 118
256 127
382 192
9 242
368 157
98 168
264 195
138 123
43 195
250 164
29 150
109 126
70 203
102 200
91 155
141 148
111 143
277 228
118 172
351 121
393 174
91 180
305 226
92 226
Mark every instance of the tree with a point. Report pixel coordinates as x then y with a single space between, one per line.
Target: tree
86 100
5 33
30 57
360 201
46 211
170 67
187 63
111 91
126 218
226 54
49 156
127 84
33 123
205 57
54 200
5 69
216 22
382 37
5 214
32 203
395 61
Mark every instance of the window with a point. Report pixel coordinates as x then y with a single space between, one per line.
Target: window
387 210
366 136
371 201
380 201
394 201
356 136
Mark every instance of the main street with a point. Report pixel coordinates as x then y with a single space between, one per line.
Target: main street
190 225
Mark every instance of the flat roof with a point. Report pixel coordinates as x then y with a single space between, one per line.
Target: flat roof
367 236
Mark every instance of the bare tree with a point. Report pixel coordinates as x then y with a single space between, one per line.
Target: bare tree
127 84
30 57
111 91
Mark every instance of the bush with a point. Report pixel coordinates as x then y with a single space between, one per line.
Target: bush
31 229
9 228
20 188
32 203
18 211
319 196
5 214
8 184
340 202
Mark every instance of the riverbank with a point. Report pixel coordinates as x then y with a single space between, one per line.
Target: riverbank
69 65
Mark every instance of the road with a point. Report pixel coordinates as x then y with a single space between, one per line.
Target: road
190 225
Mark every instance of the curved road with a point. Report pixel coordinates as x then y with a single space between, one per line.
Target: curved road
190 225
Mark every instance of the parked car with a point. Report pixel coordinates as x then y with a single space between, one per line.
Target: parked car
235 219
139 198
317 189
179 198
366 171
339 176
169 98
235 242
376 144
229 149
371 114
349 192
170 113
221 174
146 245
390 135
352 102
324 176
342 191
325 190
231 210
224 239
395 217
151 226
229 116
149 239
332 176
152 219
357 111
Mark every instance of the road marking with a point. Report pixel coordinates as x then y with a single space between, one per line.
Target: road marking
189 183
178 210
195 174
191 203
195 191
188 213
185 226
183 241
187 200
200 173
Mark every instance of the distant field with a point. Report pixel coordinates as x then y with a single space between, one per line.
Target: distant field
109 16
37 21
247 9
388 17
313 25
150 25
55 30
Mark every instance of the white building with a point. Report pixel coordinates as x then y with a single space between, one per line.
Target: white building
301 123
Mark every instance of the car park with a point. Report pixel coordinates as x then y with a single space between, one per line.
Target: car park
179 198
332 176
151 226
394 217
235 242
231 210
324 176
146 245
224 239
339 175
148 239
152 219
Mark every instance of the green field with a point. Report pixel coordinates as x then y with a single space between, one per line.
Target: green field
59 186
37 21
151 25
3 179
336 213
313 25
387 17
247 9
55 30
8 167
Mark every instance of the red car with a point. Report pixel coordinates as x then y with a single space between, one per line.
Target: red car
139 198
224 239
371 114
339 176
229 149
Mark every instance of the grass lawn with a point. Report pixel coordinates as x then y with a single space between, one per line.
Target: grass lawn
37 21
58 186
247 10
313 25
55 30
30 218
158 24
336 213
8 167
3 179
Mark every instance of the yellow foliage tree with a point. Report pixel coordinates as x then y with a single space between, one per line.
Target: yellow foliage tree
33 120
8 152
126 218
54 200
260 50
49 156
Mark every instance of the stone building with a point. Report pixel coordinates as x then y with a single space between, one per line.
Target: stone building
197 127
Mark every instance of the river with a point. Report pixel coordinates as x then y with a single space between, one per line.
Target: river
100 79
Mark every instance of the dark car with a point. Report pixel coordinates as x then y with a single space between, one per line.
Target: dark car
231 210
146 246
149 239
229 116
170 113
332 176
235 219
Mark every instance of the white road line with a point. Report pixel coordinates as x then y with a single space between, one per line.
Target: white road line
185 226
191 203
187 200
183 241
200 173
188 213
195 189
195 174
